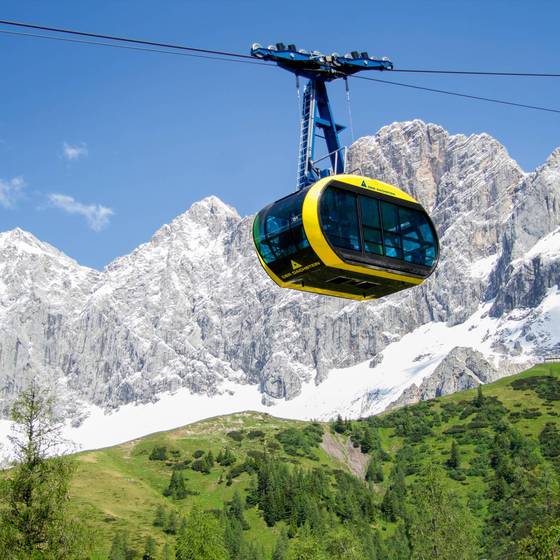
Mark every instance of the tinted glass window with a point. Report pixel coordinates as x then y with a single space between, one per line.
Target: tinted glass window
407 235
279 229
390 214
371 225
339 218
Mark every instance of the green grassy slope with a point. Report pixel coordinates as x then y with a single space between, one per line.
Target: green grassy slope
120 487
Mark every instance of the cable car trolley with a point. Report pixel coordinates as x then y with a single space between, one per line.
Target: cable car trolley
339 234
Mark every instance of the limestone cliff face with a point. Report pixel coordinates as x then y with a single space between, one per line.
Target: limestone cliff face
193 308
463 368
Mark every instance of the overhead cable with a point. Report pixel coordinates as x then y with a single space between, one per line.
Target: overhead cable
457 94
131 48
227 56
246 56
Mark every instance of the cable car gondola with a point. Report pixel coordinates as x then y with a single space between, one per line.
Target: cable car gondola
346 236
339 234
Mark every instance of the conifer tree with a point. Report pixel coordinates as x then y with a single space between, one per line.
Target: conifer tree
479 400
159 517
454 461
202 538
149 549
281 548
236 510
171 523
233 536
251 551
374 471
34 518
338 425
210 459
306 546
167 553
342 544
119 547
542 544
392 505
439 525
176 488
397 547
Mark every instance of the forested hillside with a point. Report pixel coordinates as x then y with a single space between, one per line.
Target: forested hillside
472 475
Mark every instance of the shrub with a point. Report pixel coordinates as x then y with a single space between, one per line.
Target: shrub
236 435
158 453
549 440
200 465
255 434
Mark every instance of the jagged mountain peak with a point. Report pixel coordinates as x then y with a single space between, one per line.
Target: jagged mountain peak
23 251
24 241
208 210
203 225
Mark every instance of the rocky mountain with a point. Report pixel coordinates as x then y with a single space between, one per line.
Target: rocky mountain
463 368
192 308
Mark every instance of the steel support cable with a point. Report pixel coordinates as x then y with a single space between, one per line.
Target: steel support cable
131 48
457 94
239 55
478 73
251 60
122 39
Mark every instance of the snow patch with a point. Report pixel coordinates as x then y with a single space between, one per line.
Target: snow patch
483 267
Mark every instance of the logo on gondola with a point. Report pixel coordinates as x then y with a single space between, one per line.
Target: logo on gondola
295 265
364 185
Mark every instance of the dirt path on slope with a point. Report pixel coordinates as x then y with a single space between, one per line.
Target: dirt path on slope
346 453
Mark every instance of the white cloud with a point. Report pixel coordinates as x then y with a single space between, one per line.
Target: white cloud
10 191
72 153
97 216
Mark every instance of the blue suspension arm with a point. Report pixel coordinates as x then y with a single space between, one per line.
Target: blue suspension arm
316 110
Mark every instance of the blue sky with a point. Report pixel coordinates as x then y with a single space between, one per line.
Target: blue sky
99 147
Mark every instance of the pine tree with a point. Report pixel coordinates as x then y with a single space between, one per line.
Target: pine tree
281 547
439 525
149 549
236 510
397 547
119 547
338 425
159 517
176 488
34 518
542 544
202 539
171 523
167 553
392 505
306 546
454 461
220 457
251 551
233 536
479 400
210 459
374 471
369 440
342 544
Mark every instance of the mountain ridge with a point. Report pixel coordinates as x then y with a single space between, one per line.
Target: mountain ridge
169 314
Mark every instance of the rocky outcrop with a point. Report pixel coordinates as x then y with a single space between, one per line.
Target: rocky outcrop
463 368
